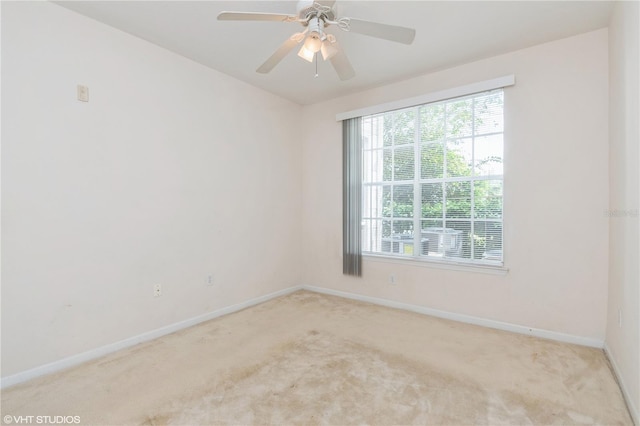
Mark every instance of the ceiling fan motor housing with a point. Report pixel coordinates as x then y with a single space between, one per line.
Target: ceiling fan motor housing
308 9
315 28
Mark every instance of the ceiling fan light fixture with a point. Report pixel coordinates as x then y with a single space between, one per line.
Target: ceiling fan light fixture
306 54
328 50
313 42
311 46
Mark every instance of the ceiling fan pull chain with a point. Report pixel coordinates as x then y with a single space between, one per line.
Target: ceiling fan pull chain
316 76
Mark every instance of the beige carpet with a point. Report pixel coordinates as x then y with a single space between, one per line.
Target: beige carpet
308 358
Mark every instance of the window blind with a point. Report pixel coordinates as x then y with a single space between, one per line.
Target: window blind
432 180
351 196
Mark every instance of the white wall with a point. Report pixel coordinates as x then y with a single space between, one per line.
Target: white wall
173 172
624 131
170 172
556 193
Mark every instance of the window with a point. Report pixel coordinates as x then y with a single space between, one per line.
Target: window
432 179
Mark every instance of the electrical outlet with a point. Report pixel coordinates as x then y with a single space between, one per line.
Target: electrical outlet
157 290
209 280
392 279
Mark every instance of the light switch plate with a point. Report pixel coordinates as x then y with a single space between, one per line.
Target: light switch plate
83 93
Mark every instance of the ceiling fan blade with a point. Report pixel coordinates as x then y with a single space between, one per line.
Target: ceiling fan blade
278 55
387 32
341 64
255 16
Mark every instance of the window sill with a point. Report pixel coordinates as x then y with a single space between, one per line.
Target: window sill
452 266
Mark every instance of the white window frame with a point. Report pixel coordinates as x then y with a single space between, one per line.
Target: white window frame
469 89
447 262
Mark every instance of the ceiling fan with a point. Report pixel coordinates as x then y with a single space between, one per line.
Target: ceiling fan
315 17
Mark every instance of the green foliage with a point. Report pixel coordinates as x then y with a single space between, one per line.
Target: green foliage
432 120
432 161
458 199
432 200
397 201
399 128
445 131
488 199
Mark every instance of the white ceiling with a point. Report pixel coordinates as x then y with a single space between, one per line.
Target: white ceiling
448 33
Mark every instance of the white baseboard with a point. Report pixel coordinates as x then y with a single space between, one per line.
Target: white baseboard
154 334
633 409
546 334
131 341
